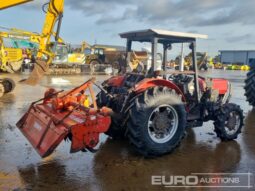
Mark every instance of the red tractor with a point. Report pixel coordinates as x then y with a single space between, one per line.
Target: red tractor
154 108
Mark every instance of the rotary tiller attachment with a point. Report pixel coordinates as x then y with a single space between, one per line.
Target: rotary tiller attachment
61 115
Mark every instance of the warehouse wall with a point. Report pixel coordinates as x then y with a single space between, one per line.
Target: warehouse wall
227 57
234 57
251 57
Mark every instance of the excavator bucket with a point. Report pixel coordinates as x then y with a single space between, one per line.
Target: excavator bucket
40 68
62 115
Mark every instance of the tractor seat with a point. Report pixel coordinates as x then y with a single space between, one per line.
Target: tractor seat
132 79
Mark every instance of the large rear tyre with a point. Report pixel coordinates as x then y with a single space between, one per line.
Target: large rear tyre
157 122
250 87
228 121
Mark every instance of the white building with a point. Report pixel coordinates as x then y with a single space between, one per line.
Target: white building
241 57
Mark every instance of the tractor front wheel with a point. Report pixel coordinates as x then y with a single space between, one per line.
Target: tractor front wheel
228 121
157 122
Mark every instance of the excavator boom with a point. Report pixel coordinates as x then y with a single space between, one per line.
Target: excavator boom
11 3
54 16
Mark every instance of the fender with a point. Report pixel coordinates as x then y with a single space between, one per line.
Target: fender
220 84
153 82
115 81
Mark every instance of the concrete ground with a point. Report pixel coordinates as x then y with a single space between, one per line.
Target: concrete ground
115 166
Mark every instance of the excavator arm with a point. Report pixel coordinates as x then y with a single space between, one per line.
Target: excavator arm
54 16
11 3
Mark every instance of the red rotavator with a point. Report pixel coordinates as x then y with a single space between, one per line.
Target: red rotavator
61 115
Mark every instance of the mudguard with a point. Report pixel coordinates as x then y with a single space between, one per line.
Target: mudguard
153 82
221 85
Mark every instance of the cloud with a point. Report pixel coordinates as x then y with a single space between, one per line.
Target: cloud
97 7
241 38
240 12
185 13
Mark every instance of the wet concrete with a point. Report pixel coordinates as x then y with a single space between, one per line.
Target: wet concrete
115 166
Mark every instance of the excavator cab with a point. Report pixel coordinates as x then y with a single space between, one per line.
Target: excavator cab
60 51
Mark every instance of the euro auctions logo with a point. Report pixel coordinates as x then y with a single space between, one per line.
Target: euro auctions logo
210 180
175 180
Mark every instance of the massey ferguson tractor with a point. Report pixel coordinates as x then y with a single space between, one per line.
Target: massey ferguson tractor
152 109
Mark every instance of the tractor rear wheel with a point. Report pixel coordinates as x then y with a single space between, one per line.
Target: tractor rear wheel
157 122
250 87
228 121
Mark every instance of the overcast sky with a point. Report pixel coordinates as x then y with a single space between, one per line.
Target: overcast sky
229 24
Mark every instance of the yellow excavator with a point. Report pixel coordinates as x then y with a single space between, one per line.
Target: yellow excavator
66 60
12 58
6 84
54 15
45 55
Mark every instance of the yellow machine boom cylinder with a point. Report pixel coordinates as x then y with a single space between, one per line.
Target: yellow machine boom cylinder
10 3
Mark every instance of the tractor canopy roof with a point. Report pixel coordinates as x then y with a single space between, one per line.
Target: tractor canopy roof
164 36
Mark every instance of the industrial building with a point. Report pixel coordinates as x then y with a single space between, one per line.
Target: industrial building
240 57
